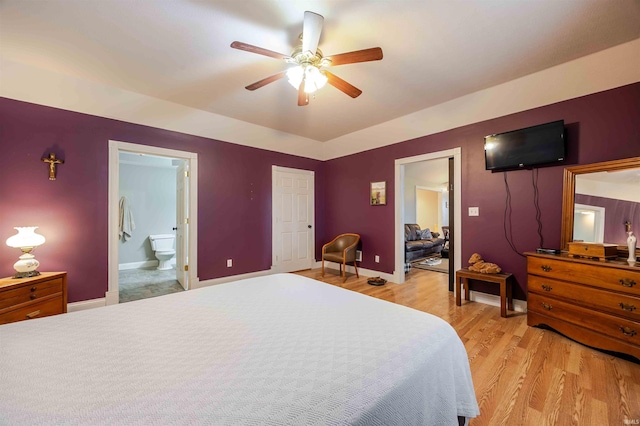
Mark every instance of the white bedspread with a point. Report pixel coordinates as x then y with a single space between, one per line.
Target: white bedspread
274 350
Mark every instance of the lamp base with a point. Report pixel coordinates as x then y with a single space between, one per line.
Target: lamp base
26 274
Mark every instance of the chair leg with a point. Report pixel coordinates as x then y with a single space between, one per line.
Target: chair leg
344 272
322 268
356 266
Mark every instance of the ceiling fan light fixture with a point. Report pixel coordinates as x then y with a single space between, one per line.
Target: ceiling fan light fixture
313 77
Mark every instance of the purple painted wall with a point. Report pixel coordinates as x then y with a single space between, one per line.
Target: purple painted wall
600 127
617 212
234 201
235 188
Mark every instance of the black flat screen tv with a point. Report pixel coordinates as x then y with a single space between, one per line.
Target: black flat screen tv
524 148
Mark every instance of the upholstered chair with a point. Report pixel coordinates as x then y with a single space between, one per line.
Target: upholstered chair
341 250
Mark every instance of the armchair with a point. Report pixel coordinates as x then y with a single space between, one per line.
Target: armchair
342 250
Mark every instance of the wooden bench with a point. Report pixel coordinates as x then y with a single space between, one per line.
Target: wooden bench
503 279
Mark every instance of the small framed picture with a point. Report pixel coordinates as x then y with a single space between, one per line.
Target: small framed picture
378 194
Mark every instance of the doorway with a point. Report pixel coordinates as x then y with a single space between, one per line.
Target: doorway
293 226
125 161
455 217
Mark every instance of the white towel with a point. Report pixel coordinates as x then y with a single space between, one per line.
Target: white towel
126 223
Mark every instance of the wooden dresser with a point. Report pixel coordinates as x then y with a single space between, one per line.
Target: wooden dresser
593 302
27 298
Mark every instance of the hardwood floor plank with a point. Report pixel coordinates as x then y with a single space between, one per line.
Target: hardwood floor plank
522 375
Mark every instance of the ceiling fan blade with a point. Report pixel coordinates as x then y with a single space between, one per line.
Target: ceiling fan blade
342 85
366 55
311 30
259 50
303 97
265 81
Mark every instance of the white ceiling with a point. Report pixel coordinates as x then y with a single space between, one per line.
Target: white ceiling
434 50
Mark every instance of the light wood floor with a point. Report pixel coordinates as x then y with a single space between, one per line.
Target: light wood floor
522 375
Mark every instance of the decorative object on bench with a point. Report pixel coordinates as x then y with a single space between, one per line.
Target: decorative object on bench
478 265
418 244
377 281
342 250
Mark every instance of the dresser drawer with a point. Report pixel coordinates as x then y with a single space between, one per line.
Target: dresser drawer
31 292
616 303
609 325
45 308
594 275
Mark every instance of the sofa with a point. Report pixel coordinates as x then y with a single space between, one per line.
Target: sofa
417 243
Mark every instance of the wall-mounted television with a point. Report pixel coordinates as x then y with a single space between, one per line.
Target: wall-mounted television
524 148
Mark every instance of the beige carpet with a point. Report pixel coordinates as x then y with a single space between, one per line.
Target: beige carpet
437 264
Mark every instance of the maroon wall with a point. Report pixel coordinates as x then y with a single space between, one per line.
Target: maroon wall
603 126
234 194
234 199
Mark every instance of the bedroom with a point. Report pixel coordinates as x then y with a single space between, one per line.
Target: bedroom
47 105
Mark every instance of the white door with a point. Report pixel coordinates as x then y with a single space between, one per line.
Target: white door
182 223
293 219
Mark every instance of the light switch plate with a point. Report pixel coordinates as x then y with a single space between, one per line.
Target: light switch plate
474 211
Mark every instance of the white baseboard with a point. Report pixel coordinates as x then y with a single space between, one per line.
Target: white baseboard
361 271
207 283
138 265
86 304
494 300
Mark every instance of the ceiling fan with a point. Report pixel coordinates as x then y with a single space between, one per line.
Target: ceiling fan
309 74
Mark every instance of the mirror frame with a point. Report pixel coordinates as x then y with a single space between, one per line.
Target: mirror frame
569 188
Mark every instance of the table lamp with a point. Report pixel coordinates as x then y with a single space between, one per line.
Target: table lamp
26 240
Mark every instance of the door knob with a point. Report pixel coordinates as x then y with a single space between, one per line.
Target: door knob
309 226
175 229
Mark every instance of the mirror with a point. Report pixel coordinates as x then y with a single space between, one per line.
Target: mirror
597 201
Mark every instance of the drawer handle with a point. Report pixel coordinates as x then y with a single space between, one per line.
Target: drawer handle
547 307
36 313
546 268
626 307
34 288
546 287
627 282
33 296
628 332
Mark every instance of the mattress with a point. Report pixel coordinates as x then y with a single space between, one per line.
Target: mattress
275 350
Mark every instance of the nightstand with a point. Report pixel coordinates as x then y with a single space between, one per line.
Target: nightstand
35 297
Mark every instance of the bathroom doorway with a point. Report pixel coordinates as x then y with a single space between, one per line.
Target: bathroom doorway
152 244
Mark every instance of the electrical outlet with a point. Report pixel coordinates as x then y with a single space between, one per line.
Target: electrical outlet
474 211
358 255
229 263
377 259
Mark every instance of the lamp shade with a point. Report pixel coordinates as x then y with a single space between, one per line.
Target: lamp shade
26 237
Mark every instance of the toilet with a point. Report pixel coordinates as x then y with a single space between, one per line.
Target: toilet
163 247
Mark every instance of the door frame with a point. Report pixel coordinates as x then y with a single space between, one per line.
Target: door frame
400 163
112 295
275 265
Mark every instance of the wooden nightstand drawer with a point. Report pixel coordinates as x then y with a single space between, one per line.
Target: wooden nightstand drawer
45 308
602 276
609 325
616 303
35 297
29 292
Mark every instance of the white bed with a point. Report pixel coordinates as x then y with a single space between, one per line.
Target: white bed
274 350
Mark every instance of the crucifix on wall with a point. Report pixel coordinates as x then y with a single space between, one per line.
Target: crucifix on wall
53 162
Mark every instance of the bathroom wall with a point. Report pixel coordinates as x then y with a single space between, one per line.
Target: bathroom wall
150 187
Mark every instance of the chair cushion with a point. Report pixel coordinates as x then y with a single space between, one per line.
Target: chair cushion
333 256
414 245
411 232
